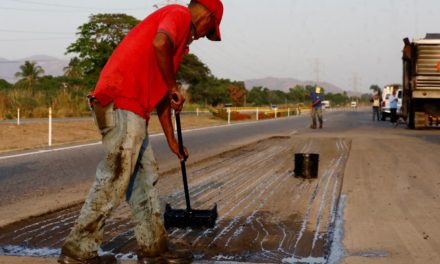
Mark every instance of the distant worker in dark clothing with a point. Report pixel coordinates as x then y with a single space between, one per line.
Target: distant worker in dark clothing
376 106
317 98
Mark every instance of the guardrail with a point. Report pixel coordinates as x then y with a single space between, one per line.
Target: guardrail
256 113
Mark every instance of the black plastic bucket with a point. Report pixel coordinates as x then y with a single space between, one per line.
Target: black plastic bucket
306 165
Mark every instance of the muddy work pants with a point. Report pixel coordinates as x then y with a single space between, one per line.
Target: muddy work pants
316 112
128 171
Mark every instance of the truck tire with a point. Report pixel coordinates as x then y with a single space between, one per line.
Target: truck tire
410 119
419 120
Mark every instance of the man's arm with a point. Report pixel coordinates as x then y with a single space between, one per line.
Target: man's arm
163 48
317 101
164 113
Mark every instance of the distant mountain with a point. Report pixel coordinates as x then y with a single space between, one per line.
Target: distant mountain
51 65
284 84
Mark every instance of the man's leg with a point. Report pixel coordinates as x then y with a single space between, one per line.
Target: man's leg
121 144
321 121
150 233
393 115
313 114
146 217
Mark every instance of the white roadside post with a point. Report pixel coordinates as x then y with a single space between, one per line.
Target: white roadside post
229 116
173 117
276 111
18 116
256 114
288 112
197 111
50 126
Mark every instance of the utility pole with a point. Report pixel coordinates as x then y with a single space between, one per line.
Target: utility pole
317 71
355 82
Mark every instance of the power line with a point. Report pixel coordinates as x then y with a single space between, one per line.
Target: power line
72 6
32 39
35 32
22 61
2 8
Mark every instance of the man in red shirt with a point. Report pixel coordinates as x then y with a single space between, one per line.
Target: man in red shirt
139 77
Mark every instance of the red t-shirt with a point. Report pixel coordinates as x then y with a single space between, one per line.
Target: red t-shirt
131 78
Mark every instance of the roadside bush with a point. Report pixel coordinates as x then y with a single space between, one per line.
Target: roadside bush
282 114
239 116
39 112
266 116
236 116
3 106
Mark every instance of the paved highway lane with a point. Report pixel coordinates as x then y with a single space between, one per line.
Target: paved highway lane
21 176
390 180
37 174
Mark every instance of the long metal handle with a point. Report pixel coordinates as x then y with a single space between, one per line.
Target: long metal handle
182 163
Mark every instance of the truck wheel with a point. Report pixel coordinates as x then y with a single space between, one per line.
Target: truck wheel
410 119
419 120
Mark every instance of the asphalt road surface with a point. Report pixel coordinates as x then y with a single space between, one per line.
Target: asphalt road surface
388 177
49 171
265 214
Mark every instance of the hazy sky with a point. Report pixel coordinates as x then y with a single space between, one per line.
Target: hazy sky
346 40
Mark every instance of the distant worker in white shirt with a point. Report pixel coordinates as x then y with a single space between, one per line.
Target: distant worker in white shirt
393 107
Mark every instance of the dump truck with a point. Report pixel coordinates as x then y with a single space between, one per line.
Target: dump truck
421 82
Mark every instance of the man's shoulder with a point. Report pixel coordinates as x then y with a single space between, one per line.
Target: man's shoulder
178 10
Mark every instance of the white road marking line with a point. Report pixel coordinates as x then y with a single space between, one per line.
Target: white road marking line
48 150
153 135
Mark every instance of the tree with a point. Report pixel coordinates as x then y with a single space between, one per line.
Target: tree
376 89
297 94
338 98
29 74
193 70
237 93
277 97
212 91
97 40
73 70
259 96
4 84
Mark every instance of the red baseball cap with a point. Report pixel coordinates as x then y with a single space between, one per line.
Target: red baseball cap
216 7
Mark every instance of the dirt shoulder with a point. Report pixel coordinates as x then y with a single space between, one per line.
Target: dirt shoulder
392 189
35 135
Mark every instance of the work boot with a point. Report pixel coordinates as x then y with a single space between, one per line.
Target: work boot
313 126
178 252
106 259
320 126
151 260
